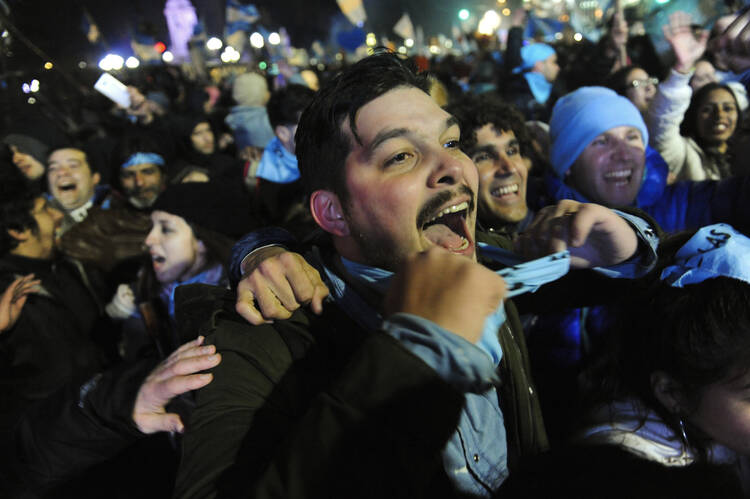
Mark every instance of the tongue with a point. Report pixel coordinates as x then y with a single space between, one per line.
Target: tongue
443 236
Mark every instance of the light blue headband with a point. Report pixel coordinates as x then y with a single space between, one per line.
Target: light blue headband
140 158
714 251
533 53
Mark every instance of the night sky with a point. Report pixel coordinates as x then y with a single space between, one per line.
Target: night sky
55 25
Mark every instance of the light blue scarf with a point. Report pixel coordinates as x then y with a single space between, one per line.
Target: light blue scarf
277 164
520 276
540 87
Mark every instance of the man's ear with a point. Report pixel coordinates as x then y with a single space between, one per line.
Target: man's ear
283 133
538 66
668 392
327 212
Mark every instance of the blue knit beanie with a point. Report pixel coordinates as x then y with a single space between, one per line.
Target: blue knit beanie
579 117
533 53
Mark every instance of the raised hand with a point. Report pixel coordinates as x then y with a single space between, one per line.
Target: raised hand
686 47
277 283
172 377
595 236
449 290
14 298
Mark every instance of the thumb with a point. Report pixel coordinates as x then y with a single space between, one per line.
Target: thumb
153 423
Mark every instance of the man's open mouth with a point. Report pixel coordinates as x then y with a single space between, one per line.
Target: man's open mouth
504 191
448 228
66 187
619 177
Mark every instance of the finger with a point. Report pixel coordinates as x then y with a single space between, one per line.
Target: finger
152 423
245 305
195 351
581 224
186 366
321 292
172 387
269 305
284 284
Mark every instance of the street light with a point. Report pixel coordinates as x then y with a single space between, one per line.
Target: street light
213 43
256 40
274 38
463 14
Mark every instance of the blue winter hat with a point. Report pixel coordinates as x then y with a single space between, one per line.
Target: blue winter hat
533 53
580 116
714 251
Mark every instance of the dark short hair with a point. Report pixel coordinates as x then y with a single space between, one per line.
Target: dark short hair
127 147
475 111
17 197
618 81
688 127
93 167
286 104
322 145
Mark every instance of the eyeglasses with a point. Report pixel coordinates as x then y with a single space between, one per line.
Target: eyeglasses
644 82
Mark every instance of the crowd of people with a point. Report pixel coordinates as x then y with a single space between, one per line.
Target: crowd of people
527 279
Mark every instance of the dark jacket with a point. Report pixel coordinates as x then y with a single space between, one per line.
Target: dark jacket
305 408
53 343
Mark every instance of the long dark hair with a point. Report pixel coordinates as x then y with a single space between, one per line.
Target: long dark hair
688 127
699 335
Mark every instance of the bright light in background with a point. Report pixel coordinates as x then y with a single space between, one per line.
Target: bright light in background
449 44
132 62
489 23
167 56
256 40
31 100
409 43
506 11
558 36
34 87
110 62
160 47
214 43
434 49
402 50
371 40
25 88
463 14
274 38
230 54
263 65
5 33
47 65
578 37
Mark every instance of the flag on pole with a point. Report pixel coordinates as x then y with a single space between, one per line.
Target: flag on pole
240 17
404 28
354 10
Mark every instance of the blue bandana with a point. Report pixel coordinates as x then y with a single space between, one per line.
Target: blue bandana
533 53
277 164
520 277
714 251
141 158
539 86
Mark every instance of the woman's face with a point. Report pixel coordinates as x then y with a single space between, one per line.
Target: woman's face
175 252
724 413
717 117
641 89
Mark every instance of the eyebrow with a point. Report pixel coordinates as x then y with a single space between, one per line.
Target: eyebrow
387 135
